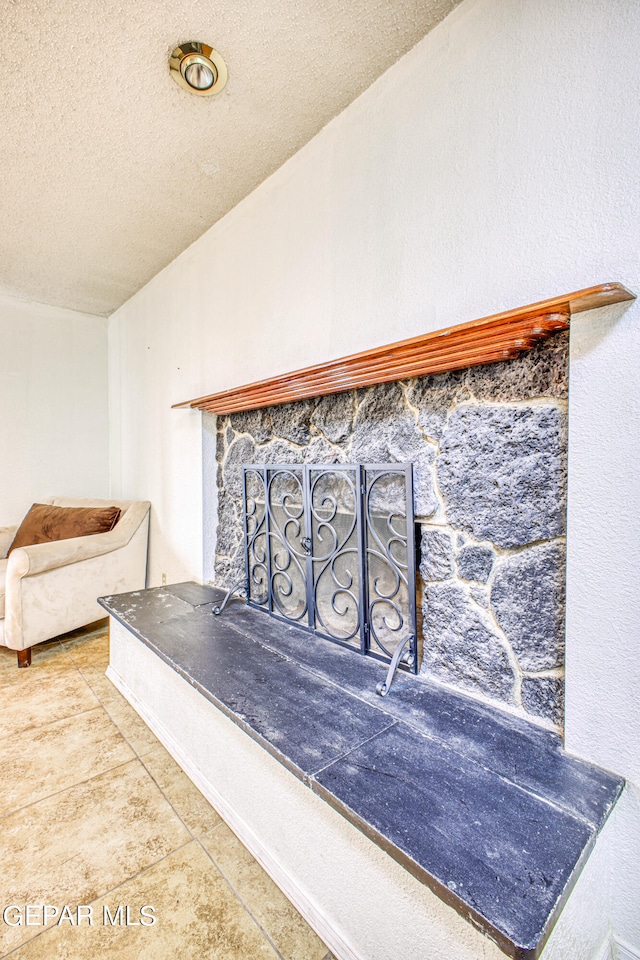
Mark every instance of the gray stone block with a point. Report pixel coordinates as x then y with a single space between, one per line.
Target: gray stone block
291 421
461 645
502 471
436 554
257 423
221 446
527 598
229 528
229 570
333 416
475 563
435 396
279 451
320 450
386 432
542 371
480 595
379 404
544 697
242 451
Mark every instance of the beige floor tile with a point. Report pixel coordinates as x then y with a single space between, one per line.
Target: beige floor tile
45 760
198 918
43 701
291 934
79 816
48 659
88 649
182 794
132 727
100 684
76 846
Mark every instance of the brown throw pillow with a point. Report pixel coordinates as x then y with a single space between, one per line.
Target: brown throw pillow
45 523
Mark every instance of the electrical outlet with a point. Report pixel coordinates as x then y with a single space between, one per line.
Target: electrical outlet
164 579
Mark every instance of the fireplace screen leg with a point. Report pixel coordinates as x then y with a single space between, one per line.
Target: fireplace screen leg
401 654
240 588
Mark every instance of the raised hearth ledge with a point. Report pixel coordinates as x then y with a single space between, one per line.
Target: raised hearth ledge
486 810
501 336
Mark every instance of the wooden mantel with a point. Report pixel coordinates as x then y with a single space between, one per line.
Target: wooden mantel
501 336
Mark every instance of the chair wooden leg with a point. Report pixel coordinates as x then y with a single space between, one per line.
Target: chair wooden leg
24 657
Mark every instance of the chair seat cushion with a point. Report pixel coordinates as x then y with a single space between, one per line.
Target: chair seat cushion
45 523
3 572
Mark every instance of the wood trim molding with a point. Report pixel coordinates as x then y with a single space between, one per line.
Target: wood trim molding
501 336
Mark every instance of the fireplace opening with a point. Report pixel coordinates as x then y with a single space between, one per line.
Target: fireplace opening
331 548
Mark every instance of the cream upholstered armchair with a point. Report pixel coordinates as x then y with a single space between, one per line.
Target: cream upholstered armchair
51 588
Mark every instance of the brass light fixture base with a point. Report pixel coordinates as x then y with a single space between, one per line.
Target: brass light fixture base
198 68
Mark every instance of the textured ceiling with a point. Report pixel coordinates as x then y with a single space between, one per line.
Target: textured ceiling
108 169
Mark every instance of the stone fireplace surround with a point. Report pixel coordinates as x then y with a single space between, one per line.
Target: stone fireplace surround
489 448
172 661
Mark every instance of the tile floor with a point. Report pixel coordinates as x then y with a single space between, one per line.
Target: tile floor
95 812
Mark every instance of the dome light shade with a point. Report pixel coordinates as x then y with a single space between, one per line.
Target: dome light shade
198 68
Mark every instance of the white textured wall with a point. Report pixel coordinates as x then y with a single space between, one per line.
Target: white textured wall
53 405
494 165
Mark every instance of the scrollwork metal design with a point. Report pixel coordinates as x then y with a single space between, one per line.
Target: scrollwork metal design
331 547
256 562
286 529
388 560
335 550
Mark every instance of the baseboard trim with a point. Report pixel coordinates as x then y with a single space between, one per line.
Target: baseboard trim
618 949
624 951
308 909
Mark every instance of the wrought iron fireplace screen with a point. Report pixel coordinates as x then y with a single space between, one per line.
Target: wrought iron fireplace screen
331 548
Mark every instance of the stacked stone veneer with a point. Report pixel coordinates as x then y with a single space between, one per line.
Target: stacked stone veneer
489 448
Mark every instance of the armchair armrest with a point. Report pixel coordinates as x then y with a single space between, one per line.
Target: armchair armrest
27 561
6 539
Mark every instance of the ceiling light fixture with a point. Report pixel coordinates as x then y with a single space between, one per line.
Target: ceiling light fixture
198 68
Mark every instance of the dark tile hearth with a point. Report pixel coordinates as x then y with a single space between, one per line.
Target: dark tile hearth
502 854
484 808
